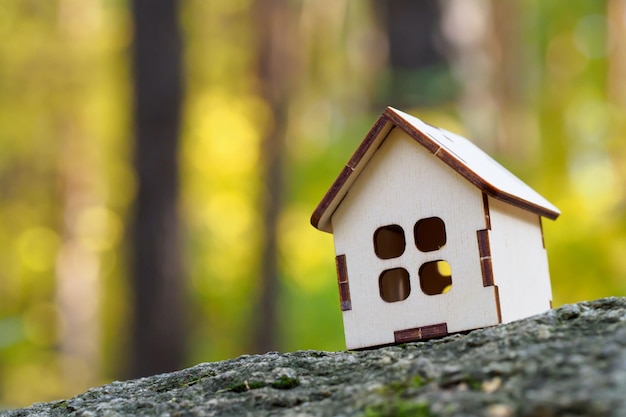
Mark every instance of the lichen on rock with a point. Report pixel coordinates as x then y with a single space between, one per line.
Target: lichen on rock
570 361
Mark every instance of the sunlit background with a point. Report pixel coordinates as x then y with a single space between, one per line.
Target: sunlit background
540 85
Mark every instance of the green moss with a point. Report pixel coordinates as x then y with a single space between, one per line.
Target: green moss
190 383
396 405
474 384
399 387
285 382
399 408
416 382
246 386
471 382
60 404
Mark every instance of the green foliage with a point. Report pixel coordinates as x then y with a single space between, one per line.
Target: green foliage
66 183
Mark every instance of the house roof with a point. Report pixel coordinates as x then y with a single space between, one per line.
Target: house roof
456 151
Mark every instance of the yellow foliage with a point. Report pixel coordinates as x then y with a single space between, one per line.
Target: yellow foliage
225 141
37 248
307 254
40 324
99 228
67 184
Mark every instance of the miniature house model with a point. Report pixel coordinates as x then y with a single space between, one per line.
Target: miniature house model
432 237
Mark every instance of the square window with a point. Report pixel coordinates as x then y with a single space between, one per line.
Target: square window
435 277
389 241
430 234
394 285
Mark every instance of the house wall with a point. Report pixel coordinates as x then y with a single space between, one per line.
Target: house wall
519 261
402 184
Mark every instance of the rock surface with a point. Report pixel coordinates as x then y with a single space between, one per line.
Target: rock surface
570 361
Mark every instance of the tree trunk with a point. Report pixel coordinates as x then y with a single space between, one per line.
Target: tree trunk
616 88
158 329
489 64
275 67
417 65
616 14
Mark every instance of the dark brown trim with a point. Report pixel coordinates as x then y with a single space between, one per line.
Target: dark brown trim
389 116
453 161
507 198
346 172
421 333
344 285
487 269
497 295
420 137
486 211
484 248
371 137
484 252
332 192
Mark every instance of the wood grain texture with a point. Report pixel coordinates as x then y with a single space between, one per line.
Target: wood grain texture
456 151
420 333
484 252
473 164
321 216
386 192
344 285
519 261
486 210
543 240
406 172
497 300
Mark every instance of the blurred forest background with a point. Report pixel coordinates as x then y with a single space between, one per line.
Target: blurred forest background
160 159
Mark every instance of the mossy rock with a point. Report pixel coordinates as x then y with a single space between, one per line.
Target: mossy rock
570 361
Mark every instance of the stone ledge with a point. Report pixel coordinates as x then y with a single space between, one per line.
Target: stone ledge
570 361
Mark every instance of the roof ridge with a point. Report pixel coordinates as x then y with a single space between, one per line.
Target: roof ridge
458 152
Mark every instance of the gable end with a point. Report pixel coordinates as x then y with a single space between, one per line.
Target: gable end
457 163
457 152
321 216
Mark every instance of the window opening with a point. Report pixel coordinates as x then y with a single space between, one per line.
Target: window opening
435 277
389 241
394 285
430 234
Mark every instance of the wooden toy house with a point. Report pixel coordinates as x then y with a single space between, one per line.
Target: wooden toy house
432 236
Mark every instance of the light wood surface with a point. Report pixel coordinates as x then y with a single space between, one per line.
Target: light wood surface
432 236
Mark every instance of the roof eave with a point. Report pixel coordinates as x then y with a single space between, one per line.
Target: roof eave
320 219
550 212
